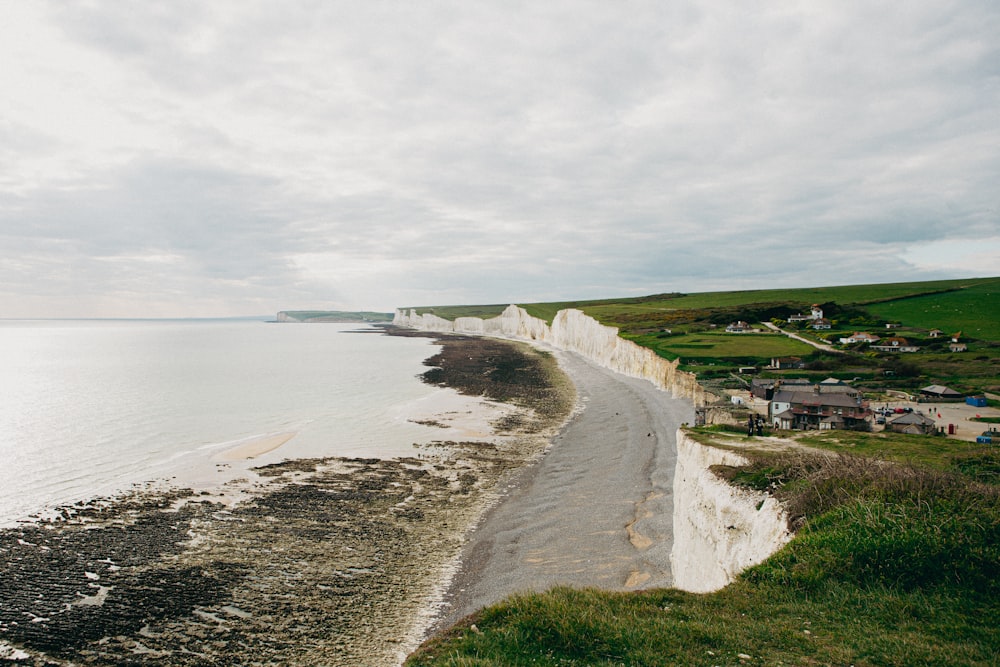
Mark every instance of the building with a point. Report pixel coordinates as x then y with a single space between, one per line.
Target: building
940 393
765 387
934 333
912 423
819 408
738 327
821 323
816 313
958 347
860 337
782 363
895 344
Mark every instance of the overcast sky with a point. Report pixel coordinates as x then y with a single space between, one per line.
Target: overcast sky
237 157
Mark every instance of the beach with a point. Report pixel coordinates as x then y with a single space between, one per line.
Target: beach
337 561
353 561
595 511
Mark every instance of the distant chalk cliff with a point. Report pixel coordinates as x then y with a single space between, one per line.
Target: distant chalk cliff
575 331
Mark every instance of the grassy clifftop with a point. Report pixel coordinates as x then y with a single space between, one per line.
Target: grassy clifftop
892 564
692 328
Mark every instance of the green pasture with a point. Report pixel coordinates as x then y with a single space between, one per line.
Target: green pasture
724 346
973 310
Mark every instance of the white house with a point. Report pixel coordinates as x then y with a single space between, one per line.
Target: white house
860 337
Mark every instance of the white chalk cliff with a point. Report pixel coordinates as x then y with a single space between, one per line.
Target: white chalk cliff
719 529
574 331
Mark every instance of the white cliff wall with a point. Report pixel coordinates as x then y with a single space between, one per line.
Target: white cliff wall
574 331
719 530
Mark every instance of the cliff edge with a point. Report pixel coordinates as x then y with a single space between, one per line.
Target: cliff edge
719 529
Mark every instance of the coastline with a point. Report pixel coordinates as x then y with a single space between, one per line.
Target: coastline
323 561
595 511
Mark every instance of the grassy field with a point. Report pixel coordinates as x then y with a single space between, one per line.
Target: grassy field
723 347
689 327
975 311
891 565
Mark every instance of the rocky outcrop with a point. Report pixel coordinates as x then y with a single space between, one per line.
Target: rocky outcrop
574 331
719 530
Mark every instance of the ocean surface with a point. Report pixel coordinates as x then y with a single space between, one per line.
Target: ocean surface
90 408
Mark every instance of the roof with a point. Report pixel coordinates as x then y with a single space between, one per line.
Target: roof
913 418
939 390
799 396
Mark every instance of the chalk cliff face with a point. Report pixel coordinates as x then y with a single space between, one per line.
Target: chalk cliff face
719 530
574 331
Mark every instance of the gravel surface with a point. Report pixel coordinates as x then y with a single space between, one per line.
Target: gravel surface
597 510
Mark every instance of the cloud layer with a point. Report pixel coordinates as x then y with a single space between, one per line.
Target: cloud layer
229 158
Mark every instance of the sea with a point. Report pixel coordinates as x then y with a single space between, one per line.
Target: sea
92 408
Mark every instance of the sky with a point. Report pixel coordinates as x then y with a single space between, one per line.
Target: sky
225 158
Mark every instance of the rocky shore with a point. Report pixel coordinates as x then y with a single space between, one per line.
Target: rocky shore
327 561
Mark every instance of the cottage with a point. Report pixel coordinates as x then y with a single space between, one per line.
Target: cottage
935 333
860 337
895 344
821 323
958 347
819 408
815 314
787 362
738 327
912 423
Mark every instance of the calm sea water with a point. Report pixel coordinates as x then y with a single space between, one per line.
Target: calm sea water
92 407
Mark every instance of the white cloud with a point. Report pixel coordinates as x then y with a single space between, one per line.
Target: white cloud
270 155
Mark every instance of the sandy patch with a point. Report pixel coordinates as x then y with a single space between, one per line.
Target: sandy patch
459 416
251 449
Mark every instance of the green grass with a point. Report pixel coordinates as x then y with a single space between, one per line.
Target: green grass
737 348
926 450
892 565
975 311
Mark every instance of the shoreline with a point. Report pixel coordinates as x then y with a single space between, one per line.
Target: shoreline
595 511
323 561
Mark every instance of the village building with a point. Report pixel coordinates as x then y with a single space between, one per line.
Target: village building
738 327
782 363
820 408
821 323
815 314
895 344
765 387
912 423
860 337
940 393
935 333
958 347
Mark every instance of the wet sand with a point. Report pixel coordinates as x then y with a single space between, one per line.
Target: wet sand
595 511
251 449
